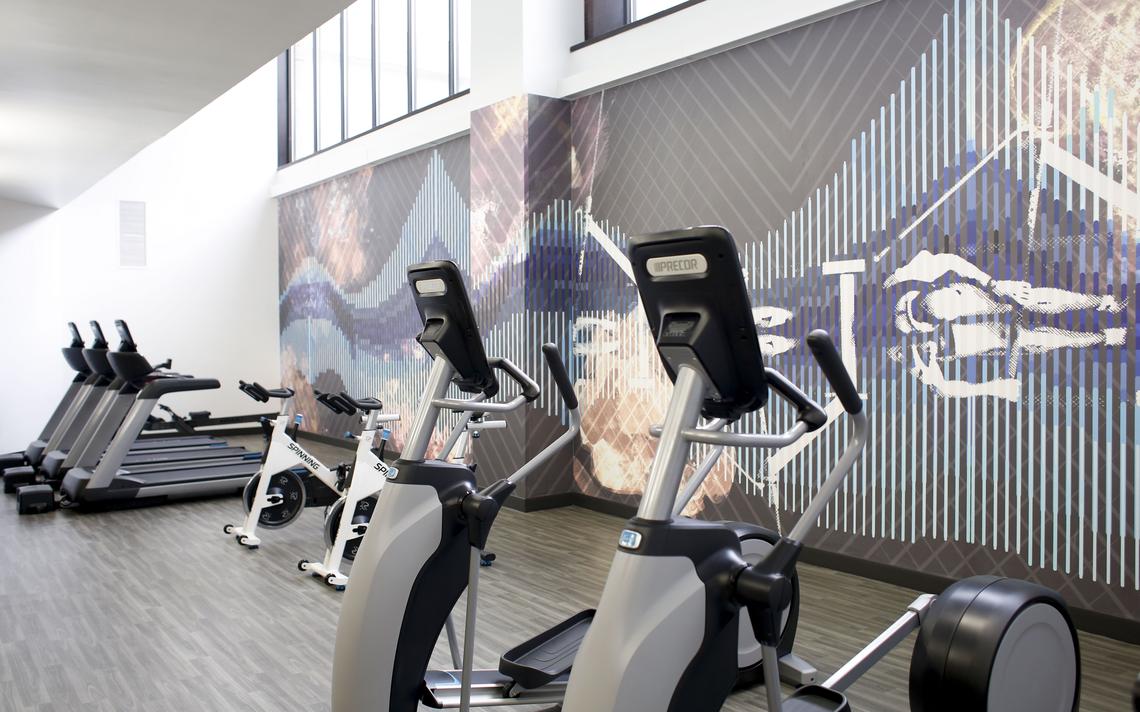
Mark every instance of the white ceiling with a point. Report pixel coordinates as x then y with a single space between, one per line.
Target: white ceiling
86 84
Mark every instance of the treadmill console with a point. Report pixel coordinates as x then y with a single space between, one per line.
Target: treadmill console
700 313
127 342
450 329
99 342
73 352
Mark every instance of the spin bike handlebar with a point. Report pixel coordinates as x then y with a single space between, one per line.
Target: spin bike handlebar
260 393
333 402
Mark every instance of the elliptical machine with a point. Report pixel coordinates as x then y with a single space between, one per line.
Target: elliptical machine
431 522
290 478
668 619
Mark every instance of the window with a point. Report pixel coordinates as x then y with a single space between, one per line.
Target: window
329 80
302 88
606 16
358 104
392 57
461 29
375 62
641 9
432 51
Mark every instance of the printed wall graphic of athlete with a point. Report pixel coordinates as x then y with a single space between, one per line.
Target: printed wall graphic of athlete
975 315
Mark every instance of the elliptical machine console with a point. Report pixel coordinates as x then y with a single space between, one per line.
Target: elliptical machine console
666 628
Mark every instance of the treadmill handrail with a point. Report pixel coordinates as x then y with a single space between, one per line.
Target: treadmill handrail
157 389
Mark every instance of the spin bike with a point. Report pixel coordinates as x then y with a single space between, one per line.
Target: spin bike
366 477
290 478
432 522
667 625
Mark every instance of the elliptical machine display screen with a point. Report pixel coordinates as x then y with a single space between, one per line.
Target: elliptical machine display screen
450 328
700 314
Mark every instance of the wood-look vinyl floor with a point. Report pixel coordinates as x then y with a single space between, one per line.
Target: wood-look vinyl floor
157 609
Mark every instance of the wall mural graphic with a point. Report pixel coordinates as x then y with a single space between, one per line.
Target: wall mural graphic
348 321
956 201
971 242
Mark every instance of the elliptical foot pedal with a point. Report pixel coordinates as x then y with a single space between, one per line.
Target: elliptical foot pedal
814 698
35 499
17 477
549 655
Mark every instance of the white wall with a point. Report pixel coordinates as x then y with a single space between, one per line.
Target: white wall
208 295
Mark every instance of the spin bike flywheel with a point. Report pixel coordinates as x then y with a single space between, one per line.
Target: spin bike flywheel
362 515
289 487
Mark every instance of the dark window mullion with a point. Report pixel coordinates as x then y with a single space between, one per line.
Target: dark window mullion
343 83
411 56
452 28
375 70
316 98
284 109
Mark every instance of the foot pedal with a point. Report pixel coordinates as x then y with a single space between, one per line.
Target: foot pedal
18 477
814 698
35 499
547 656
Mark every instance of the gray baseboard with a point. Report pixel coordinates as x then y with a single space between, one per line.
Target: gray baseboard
1089 621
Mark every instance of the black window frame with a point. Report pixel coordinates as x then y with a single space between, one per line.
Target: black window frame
285 152
606 18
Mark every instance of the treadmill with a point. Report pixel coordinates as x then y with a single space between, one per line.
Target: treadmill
117 399
75 404
107 402
112 479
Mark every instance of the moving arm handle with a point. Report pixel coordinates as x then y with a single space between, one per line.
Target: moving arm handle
765 588
558 372
831 363
553 360
530 390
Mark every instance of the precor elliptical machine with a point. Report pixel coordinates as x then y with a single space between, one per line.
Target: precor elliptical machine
290 478
430 525
665 630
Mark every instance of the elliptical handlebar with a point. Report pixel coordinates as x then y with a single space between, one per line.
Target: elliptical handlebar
565 388
528 386
831 363
808 411
561 378
530 389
